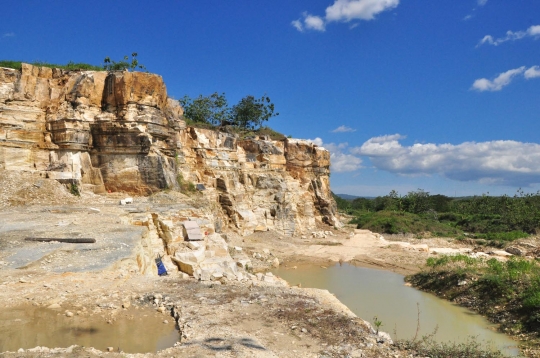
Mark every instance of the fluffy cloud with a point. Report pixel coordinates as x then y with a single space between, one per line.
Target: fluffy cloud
533 31
314 23
309 22
339 161
503 162
347 10
343 129
344 11
482 2
532 72
497 84
504 79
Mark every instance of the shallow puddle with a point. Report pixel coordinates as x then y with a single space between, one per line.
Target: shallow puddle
369 293
132 331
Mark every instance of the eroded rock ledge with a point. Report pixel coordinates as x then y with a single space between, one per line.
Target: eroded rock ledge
119 131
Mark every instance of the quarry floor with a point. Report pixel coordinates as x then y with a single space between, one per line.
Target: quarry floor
229 319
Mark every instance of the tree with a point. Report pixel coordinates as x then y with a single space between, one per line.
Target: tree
211 109
123 65
417 201
250 112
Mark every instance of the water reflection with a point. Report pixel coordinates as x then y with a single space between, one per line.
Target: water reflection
136 331
369 293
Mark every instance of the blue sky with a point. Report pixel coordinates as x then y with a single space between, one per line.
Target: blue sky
440 95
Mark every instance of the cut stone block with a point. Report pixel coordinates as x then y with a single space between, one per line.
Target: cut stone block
192 231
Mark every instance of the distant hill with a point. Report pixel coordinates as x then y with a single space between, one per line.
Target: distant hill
352 197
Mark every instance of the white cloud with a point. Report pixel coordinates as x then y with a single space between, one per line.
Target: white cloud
533 31
298 25
502 80
309 22
314 23
9 34
532 72
344 11
482 2
347 10
503 162
343 129
339 161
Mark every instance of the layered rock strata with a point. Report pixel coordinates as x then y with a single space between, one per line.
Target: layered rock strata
119 131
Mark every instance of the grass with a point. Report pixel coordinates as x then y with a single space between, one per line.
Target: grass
508 293
185 186
70 66
428 347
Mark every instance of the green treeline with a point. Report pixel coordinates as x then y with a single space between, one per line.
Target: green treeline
500 218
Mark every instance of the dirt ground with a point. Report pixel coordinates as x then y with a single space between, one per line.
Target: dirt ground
223 318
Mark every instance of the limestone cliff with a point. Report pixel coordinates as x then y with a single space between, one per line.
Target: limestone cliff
119 131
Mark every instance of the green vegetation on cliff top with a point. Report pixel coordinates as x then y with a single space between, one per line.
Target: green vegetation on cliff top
213 111
70 66
126 63
246 118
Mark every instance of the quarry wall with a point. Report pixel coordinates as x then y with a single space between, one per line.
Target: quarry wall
119 131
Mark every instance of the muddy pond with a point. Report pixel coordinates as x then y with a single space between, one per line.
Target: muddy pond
369 293
133 331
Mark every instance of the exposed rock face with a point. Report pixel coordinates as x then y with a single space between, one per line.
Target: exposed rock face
119 131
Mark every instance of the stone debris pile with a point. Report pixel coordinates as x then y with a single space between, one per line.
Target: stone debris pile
207 260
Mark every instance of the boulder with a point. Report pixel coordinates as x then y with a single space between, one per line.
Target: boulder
500 253
516 250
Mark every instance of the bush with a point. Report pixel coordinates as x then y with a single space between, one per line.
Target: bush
74 189
507 292
393 222
503 236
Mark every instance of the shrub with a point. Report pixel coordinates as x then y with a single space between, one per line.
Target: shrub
185 186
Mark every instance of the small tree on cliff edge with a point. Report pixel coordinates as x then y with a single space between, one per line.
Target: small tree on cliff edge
123 65
250 113
212 109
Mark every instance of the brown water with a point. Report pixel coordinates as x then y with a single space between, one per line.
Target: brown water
133 331
370 293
